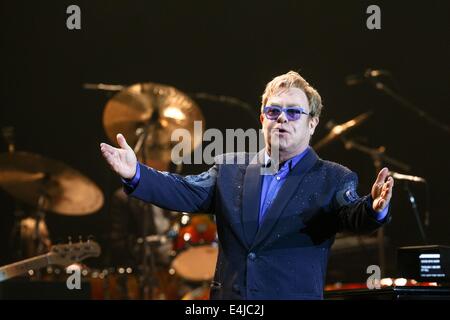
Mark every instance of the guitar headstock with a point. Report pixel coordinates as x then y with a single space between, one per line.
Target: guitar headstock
69 253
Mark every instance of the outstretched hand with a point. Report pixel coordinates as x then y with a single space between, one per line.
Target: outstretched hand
382 190
122 160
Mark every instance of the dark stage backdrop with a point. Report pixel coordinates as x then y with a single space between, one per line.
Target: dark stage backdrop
230 48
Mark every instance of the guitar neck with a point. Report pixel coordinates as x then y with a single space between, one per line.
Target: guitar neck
19 268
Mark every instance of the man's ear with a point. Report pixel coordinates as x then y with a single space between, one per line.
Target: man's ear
313 122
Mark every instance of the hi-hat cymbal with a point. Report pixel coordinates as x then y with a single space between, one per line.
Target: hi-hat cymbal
338 130
30 177
156 110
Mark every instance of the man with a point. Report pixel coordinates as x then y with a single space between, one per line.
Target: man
275 230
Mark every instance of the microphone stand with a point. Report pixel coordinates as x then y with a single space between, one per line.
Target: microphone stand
412 201
378 157
410 106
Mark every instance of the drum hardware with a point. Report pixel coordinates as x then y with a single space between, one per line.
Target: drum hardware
372 76
46 185
147 114
8 136
337 130
378 156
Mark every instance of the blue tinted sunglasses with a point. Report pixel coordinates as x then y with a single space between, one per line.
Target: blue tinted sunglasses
292 113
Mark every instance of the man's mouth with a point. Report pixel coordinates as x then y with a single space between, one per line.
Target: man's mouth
280 130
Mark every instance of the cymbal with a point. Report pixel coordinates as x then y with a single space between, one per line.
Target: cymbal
338 130
29 177
156 110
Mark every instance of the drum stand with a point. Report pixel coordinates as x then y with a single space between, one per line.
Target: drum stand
147 280
147 277
16 236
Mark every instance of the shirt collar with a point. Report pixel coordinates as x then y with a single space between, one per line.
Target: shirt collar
290 164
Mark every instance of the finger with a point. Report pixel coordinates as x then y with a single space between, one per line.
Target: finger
388 190
110 151
387 197
109 155
381 204
106 147
377 204
388 186
382 175
391 182
122 142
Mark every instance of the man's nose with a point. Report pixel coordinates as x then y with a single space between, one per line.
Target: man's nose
282 118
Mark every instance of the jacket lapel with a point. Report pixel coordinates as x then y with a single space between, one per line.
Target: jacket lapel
290 186
251 197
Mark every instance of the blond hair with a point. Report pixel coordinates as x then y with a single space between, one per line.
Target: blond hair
294 80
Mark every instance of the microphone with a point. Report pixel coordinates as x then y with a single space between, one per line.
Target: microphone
355 79
400 176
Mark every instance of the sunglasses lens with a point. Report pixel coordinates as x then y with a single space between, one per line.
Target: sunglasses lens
293 114
273 113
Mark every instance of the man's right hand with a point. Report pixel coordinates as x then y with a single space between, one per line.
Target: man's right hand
122 160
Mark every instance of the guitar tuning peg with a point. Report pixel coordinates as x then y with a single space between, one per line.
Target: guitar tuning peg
80 238
90 238
69 238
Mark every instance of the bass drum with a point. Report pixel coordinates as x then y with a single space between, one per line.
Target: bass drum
196 248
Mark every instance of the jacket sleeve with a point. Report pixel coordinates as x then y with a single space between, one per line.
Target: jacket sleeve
192 193
355 213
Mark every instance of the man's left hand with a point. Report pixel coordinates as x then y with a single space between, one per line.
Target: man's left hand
382 190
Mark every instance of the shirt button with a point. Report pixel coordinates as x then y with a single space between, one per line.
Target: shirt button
278 178
252 256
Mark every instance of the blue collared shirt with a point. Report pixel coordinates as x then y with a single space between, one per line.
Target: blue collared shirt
271 184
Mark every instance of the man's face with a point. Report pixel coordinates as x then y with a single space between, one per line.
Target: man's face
293 136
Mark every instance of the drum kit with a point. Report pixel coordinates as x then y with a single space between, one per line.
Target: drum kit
147 114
